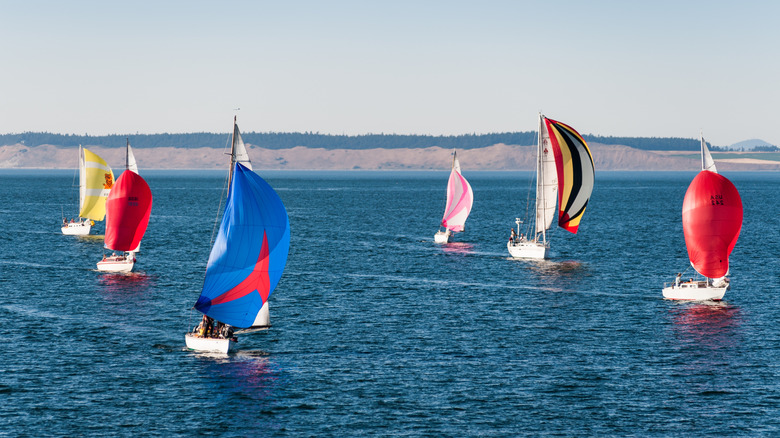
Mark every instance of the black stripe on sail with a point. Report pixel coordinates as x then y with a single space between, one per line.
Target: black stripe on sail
577 150
576 170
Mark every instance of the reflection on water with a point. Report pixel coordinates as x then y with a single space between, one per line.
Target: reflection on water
240 376
129 283
707 324
707 341
564 274
458 248
91 238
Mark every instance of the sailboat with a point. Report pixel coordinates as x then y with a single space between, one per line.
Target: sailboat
460 197
246 261
95 182
128 208
712 220
564 166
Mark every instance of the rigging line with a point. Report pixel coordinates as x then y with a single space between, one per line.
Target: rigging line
221 197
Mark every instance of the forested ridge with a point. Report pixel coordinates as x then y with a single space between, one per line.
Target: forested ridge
286 140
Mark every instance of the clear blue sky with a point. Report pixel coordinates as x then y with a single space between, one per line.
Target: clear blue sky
622 68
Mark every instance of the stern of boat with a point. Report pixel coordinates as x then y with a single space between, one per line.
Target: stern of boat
524 249
212 345
443 237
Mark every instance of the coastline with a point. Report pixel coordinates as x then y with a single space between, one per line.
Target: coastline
497 157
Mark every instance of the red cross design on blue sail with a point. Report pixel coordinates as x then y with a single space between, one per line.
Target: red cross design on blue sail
257 281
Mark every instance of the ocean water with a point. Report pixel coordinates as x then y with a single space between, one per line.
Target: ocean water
378 331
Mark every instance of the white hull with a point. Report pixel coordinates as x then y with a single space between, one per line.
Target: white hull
77 228
442 237
116 264
215 345
695 291
524 249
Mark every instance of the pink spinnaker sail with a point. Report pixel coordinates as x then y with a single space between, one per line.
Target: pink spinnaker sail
459 199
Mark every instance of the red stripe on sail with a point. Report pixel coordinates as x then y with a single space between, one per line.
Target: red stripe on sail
257 281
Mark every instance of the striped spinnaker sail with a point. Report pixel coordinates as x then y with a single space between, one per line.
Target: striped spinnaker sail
575 173
95 182
460 198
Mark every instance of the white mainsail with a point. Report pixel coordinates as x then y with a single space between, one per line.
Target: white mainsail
238 153
82 178
707 163
546 180
130 163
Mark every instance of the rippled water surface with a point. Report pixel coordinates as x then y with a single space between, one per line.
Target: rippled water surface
379 331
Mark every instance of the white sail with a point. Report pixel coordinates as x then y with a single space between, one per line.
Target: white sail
263 317
239 154
546 180
707 163
130 163
82 178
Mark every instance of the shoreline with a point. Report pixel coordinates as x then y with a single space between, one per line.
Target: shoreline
499 157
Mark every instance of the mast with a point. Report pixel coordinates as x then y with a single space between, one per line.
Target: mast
232 151
127 154
82 179
540 198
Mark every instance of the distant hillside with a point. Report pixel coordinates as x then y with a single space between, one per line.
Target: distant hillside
495 157
288 140
752 144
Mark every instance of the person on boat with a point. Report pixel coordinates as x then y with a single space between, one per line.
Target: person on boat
204 329
227 331
219 329
64 221
677 279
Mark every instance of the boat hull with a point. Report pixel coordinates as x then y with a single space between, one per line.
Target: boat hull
695 291
116 264
77 229
214 345
528 250
442 237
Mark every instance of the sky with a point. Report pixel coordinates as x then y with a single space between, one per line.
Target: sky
615 68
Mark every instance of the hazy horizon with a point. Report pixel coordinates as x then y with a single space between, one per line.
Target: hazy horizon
663 69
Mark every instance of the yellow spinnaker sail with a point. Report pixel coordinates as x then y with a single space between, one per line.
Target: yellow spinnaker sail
96 179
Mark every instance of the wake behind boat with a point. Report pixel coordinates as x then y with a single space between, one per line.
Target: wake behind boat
95 182
712 220
460 198
563 165
246 261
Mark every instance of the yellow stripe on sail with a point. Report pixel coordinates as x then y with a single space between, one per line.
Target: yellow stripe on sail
568 172
99 180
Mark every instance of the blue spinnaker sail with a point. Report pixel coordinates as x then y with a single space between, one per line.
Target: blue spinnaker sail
249 253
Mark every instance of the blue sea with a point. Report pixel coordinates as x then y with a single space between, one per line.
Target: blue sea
377 331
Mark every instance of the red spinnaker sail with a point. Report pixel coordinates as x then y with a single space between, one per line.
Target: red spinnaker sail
712 220
128 207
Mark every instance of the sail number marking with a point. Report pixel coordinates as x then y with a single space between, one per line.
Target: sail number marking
716 199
